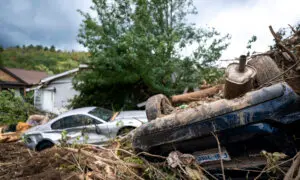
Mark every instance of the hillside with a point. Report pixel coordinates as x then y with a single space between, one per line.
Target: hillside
41 58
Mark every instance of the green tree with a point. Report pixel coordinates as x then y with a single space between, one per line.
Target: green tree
136 51
30 46
38 59
39 47
52 48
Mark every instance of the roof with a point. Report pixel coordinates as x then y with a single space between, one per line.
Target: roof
83 110
60 75
63 74
26 76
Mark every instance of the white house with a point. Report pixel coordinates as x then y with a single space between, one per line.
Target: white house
55 92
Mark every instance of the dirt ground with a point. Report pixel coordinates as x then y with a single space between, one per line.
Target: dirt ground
18 162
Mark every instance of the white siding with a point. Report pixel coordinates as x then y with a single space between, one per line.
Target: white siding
62 92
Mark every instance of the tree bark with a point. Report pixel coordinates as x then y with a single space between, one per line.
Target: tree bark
198 95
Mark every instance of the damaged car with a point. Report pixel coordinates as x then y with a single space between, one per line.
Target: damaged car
92 125
265 119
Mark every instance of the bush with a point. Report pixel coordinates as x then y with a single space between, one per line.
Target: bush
13 109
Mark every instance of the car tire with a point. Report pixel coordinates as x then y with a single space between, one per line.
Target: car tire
125 130
44 145
158 105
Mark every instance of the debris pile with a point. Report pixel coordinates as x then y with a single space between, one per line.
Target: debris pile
282 63
13 133
117 159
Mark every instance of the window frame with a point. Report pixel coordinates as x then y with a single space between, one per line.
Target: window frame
96 121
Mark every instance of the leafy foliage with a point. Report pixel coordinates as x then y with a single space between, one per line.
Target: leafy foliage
13 109
136 51
41 58
249 44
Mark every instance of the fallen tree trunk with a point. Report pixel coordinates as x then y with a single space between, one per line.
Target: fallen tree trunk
198 95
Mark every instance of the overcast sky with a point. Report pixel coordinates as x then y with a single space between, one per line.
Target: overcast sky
56 22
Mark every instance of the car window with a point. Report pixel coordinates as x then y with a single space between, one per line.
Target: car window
57 125
74 121
87 120
102 113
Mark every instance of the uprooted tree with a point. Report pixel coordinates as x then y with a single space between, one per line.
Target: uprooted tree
136 51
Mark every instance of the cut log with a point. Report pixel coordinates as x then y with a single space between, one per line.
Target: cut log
198 95
265 67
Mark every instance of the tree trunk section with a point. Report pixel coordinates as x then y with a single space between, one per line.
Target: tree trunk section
196 96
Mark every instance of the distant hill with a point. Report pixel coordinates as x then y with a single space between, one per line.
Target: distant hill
41 58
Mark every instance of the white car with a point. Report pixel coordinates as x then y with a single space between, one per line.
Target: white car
92 125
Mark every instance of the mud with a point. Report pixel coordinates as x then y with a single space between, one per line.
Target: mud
18 162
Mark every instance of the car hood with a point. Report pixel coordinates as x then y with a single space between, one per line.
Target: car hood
38 128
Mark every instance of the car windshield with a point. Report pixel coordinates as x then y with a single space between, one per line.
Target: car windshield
102 113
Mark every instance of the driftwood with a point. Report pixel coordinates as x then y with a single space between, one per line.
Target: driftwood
196 96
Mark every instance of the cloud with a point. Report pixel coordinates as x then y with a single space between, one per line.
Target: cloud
47 22
242 20
56 22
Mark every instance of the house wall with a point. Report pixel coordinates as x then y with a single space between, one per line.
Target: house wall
58 93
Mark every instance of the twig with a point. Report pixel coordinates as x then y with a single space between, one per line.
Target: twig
294 166
119 162
279 43
286 50
92 156
124 164
272 79
292 28
70 162
145 153
152 155
153 167
199 167
220 154
263 171
29 153
277 165
230 60
77 163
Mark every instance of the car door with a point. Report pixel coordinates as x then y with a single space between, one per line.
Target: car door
74 125
96 131
72 128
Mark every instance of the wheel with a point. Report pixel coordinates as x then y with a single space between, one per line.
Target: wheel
125 130
44 145
158 105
